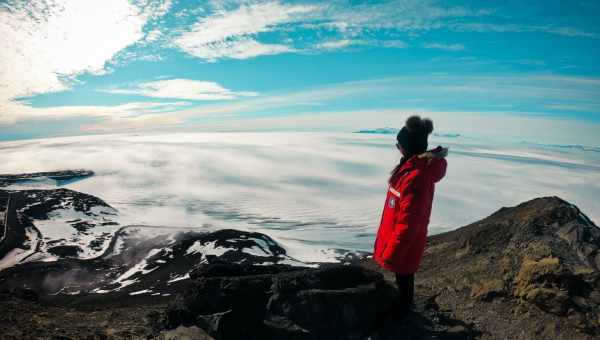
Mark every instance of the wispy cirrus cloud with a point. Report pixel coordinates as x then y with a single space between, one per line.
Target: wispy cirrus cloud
566 31
445 47
231 33
181 89
346 43
234 33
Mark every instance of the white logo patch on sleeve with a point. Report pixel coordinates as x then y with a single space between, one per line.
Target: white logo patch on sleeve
392 202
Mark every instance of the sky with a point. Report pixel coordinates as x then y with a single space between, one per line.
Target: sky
511 70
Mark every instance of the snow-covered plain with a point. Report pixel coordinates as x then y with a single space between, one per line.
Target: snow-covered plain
311 192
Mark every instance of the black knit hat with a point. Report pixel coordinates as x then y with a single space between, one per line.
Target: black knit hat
413 136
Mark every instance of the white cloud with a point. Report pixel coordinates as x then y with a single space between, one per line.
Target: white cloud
393 44
233 33
233 30
153 35
345 43
230 33
122 111
445 47
44 45
404 15
182 89
237 48
336 44
491 27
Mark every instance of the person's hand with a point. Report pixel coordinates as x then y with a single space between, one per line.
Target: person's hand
439 152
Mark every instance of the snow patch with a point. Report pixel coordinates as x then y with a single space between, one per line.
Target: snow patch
140 267
307 253
179 278
209 248
17 255
59 228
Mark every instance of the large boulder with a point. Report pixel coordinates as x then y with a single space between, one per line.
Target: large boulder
233 301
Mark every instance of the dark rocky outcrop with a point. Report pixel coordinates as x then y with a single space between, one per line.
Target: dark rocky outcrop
65 251
250 302
157 266
61 177
26 208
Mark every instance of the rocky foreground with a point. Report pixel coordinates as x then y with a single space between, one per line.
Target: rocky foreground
525 272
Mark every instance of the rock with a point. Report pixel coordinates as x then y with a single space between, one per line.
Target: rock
228 301
544 283
184 333
25 294
60 177
457 329
272 302
488 290
65 251
349 298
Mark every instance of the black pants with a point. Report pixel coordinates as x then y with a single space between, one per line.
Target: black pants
406 289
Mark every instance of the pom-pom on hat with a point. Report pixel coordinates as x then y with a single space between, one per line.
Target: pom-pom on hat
413 136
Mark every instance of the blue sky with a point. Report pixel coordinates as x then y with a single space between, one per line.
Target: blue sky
514 69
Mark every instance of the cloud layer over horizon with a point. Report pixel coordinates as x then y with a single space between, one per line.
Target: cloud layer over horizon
323 189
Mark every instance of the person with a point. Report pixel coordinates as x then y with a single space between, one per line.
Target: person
402 233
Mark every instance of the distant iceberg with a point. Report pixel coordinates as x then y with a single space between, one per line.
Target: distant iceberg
389 130
447 135
385 130
577 147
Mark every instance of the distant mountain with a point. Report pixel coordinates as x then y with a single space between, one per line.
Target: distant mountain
389 130
577 147
447 135
60 177
384 130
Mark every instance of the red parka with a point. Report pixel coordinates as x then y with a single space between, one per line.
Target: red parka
402 232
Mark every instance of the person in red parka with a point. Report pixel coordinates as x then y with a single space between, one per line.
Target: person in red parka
402 232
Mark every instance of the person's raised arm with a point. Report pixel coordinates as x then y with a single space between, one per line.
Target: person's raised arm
437 163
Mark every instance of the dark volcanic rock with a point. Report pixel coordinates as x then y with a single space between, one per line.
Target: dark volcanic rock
275 302
37 204
137 267
65 251
339 302
28 208
61 177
